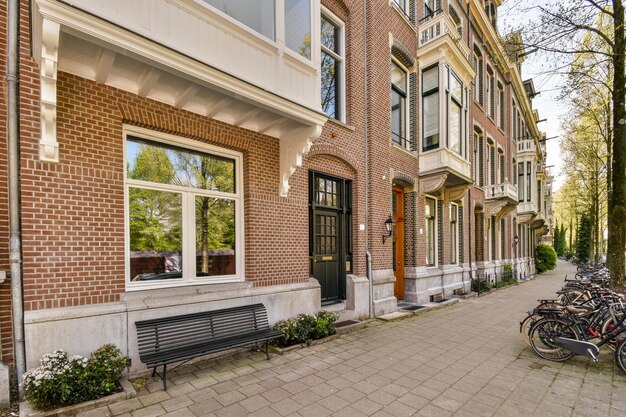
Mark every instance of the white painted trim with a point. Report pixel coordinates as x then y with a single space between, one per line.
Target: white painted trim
187 196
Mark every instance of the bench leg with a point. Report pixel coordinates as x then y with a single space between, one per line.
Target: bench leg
164 377
267 350
154 371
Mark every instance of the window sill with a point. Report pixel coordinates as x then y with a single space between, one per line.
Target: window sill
342 124
400 148
217 283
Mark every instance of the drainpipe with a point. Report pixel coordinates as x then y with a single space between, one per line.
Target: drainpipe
368 255
15 240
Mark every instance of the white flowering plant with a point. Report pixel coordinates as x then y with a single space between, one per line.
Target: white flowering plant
62 380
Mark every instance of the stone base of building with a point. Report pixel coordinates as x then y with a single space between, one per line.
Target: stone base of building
81 330
422 283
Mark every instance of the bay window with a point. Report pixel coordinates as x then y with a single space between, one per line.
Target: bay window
455 115
528 183
184 212
430 100
298 26
520 182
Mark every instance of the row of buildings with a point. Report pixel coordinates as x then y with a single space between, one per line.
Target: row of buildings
184 155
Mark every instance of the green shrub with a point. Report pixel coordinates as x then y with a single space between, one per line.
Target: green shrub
545 258
481 285
63 380
304 328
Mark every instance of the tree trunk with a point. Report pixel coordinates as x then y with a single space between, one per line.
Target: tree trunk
617 202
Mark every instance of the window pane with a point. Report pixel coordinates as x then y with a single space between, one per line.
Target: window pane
156 234
258 15
430 231
431 121
455 128
397 117
330 35
215 236
156 162
298 26
456 89
398 77
330 84
430 79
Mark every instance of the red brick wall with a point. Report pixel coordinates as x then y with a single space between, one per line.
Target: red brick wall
6 348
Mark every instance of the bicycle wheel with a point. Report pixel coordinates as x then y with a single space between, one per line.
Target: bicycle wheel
526 324
542 335
620 355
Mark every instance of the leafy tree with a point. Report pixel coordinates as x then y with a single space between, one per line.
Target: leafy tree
545 258
588 38
584 241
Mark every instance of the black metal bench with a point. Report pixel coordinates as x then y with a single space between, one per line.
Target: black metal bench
166 340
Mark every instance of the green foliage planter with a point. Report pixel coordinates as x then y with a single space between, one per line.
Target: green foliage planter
62 381
305 328
545 258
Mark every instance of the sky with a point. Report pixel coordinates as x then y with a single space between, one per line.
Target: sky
514 14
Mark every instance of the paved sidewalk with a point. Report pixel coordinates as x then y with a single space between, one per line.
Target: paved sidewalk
465 360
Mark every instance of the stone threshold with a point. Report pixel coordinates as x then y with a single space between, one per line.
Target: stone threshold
400 315
128 392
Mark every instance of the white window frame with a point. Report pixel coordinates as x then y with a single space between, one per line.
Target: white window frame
340 57
435 264
398 3
189 227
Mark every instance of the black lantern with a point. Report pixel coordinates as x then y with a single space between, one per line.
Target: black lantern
515 240
389 226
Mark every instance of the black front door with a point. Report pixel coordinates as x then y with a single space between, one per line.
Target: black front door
330 234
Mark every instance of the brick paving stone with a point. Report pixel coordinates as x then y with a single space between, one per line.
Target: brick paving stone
466 360
96 412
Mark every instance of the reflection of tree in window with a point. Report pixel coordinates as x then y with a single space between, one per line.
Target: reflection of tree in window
331 62
298 26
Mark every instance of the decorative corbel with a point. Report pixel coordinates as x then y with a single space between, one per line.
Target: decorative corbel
293 146
433 183
48 145
456 193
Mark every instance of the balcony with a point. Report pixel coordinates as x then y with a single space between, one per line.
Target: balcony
526 212
439 35
443 167
189 55
500 199
526 146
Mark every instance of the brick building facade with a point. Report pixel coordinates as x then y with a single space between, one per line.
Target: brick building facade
160 176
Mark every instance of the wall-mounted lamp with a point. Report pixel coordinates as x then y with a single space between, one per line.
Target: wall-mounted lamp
389 226
515 240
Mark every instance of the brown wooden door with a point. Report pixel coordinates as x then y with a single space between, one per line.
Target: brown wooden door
397 241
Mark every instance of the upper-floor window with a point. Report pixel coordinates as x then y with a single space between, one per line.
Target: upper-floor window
491 162
520 182
479 157
431 8
500 106
184 212
514 165
501 166
403 5
515 116
491 93
259 15
528 183
479 78
298 26
398 104
430 108
455 116
457 21
332 66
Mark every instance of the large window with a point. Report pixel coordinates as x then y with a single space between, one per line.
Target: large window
455 118
454 233
258 15
398 104
491 109
501 166
431 8
430 216
520 182
528 183
332 57
297 26
479 78
403 5
500 106
430 108
184 212
491 162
